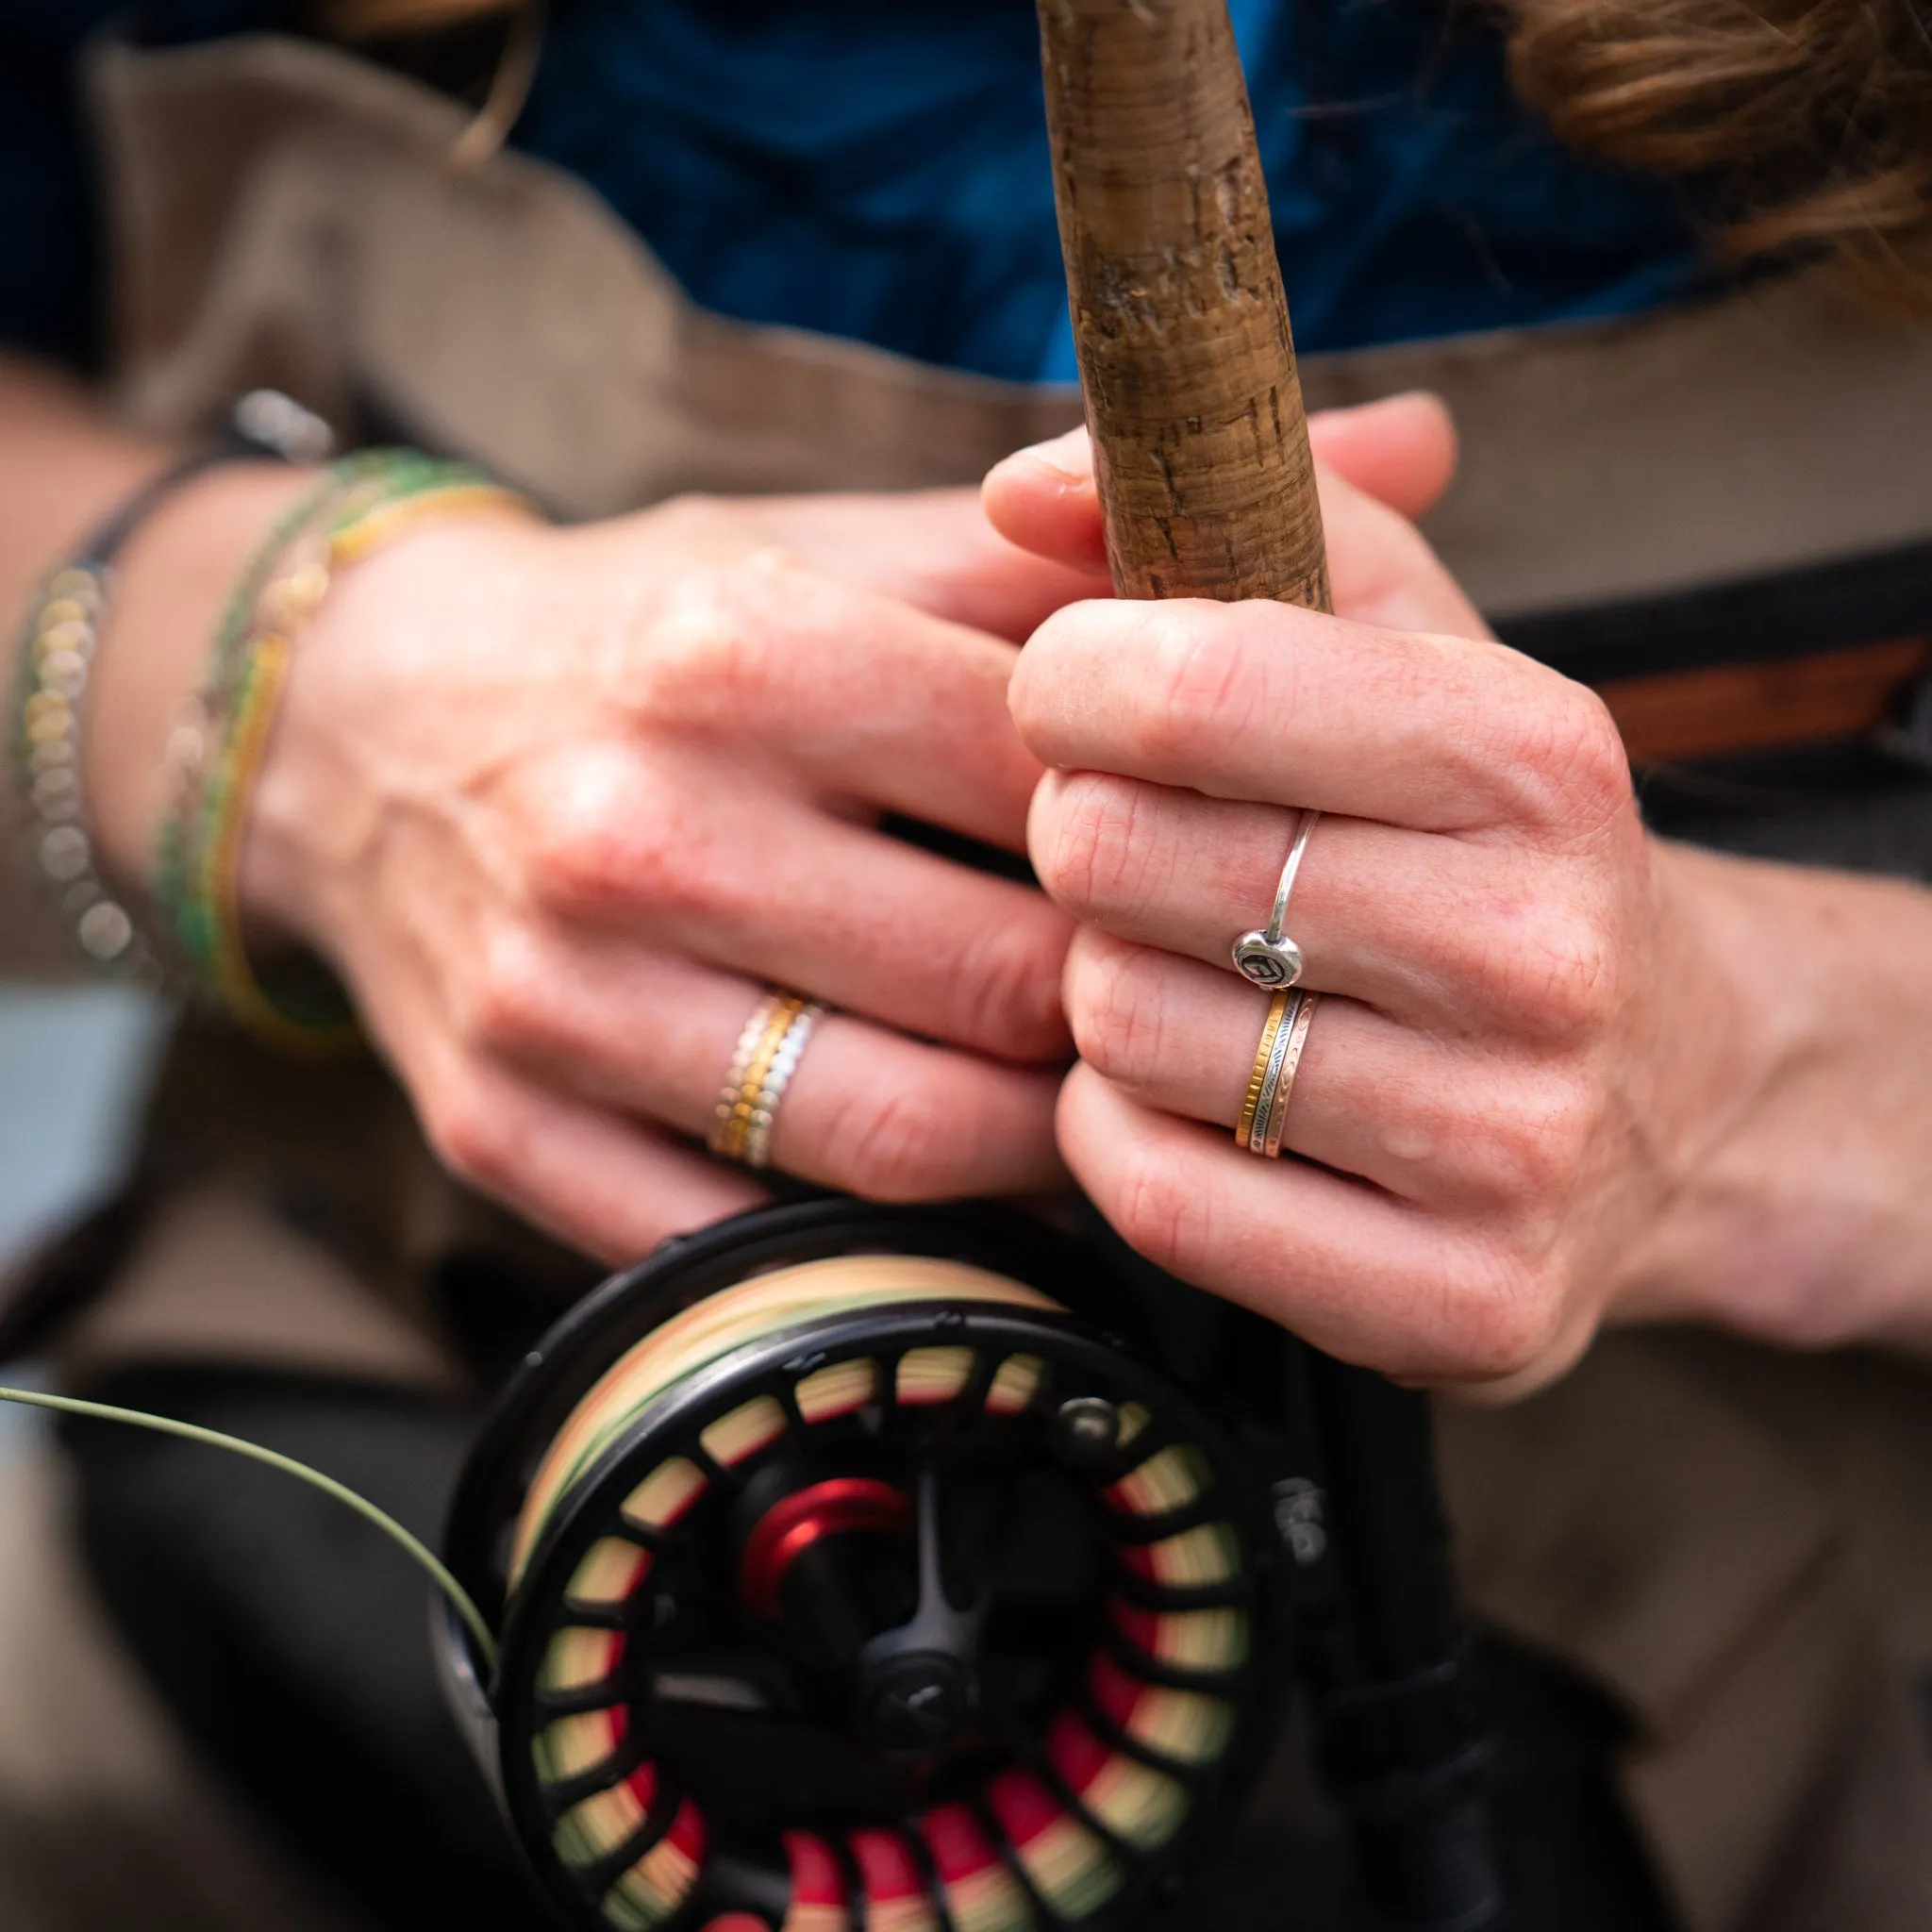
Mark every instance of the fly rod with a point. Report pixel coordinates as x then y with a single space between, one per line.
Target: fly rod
1207 490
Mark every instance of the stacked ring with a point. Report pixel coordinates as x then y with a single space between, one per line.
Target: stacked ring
1264 1107
767 1056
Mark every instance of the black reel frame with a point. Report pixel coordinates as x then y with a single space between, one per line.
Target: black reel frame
1323 1472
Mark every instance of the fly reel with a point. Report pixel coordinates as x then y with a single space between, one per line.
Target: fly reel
849 1573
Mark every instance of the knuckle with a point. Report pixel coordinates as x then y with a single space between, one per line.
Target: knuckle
1009 989
898 1146
1559 977
508 1002
1118 1018
469 1135
599 846
1200 697
578 831
1160 1217
1541 1144
1569 768
1504 1321
717 641
1100 859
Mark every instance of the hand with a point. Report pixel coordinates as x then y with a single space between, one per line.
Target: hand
557 803
1520 1033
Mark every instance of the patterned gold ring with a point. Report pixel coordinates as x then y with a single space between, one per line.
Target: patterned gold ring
1264 1107
1272 1113
1264 1057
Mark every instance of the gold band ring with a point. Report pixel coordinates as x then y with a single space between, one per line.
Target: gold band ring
768 1052
1278 1059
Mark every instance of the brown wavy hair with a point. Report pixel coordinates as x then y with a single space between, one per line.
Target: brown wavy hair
1801 127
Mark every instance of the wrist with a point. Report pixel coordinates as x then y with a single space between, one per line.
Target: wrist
1714 1040
332 789
1796 1210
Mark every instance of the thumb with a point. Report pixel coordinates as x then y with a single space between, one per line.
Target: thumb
1400 450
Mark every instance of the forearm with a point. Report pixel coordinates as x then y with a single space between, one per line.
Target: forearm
64 468
1802 1211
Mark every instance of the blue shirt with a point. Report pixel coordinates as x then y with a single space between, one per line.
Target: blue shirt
878 169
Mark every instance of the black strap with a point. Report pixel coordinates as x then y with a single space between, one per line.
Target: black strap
263 426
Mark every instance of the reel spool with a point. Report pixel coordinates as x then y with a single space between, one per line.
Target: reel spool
849 1574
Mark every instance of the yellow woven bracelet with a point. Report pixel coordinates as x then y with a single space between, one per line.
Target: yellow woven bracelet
278 1016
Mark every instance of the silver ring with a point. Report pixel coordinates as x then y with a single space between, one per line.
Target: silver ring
1267 956
1269 1082
1278 1085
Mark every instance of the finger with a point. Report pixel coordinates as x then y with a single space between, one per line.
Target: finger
1418 1116
606 1184
1434 931
1400 451
1263 701
867 1111
1382 570
1351 1270
936 550
856 691
751 882
1043 499
597 1180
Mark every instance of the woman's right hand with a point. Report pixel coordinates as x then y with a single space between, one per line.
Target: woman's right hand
558 803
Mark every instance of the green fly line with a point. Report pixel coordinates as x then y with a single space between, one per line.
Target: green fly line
412 1546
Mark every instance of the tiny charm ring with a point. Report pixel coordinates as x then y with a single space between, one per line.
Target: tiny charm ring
1268 956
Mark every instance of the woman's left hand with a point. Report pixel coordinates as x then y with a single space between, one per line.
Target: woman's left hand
1487 1110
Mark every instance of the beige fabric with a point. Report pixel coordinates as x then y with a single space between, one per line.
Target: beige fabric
1736 1543
220 1279
1607 460
299 1220
1716 1536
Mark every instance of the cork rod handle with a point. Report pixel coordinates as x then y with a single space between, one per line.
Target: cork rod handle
1182 329
1200 443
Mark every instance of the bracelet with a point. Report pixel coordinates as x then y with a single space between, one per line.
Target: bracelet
215 752
55 657
55 654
